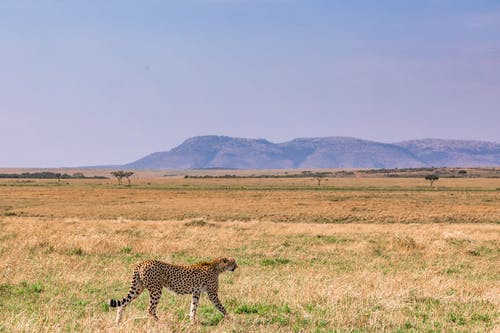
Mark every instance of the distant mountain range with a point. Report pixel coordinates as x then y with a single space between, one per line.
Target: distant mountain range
330 152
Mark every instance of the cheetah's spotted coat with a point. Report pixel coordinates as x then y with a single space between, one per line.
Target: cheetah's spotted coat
195 279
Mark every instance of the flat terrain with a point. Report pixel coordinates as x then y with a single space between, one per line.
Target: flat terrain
377 254
343 200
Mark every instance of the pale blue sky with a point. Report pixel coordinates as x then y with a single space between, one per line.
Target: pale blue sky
107 82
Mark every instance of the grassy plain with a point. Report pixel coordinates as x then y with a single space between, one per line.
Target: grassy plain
353 255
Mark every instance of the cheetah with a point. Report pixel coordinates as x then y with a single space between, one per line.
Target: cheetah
181 279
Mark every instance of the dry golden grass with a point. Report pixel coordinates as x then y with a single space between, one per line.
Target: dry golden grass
279 200
65 248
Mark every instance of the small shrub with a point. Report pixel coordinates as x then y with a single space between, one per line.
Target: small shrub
378 251
77 251
474 253
198 223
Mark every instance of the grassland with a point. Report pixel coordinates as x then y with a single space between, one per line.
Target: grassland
353 255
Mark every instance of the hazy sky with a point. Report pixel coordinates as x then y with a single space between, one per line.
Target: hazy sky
106 82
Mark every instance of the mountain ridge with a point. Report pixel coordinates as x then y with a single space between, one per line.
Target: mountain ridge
213 151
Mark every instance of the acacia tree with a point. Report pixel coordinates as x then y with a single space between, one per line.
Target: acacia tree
319 177
127 175
431 178
119 174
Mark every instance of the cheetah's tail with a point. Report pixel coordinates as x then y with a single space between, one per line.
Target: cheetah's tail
115 303
135 290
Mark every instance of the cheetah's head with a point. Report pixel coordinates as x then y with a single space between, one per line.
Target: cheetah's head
226 264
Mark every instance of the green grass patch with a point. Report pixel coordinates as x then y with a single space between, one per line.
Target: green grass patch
424 310
126 250
24 288
184 257
275 261
209 316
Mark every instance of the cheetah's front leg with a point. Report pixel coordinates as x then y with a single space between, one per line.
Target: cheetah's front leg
194 305
212 295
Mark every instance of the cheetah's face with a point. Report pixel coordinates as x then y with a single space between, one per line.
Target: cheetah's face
227 264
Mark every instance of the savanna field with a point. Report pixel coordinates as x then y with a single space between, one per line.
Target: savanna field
351 255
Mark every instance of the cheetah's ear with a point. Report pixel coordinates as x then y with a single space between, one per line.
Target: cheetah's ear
218 263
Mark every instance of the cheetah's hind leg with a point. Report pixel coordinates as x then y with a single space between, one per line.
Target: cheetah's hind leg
136 289
154 298
119 313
